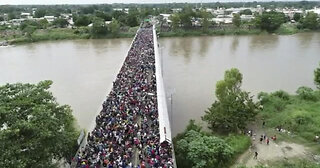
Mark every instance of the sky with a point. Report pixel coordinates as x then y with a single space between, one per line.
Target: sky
24 2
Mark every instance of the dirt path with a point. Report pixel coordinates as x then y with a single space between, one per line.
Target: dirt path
273 151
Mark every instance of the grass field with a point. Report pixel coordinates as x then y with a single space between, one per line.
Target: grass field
298 114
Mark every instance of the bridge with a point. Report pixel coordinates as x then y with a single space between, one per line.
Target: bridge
133 128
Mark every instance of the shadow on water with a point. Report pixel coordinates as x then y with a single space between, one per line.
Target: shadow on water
235 44
305 38
204 45
264 42
186 46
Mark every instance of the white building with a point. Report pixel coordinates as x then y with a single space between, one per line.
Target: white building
247 17
26 16
165 16
226 19
176 10
50 18
315 10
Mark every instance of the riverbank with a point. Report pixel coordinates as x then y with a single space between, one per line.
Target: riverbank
62 34
213 32
283 30
84 33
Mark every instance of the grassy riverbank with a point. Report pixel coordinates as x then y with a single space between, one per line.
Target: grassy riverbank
213 32
195 147
299 114
63 34
284 29
84 33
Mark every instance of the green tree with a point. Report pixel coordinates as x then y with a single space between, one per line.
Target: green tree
40 13
43 23
246 12
29 30
186 17
205 20
35 129
310 21
132 18
60 22
28 23
120 16
132 21
317 77
81 20
11 16
306 93
270 21
114 27
202 151
236 20
297 17
98 27
103 15
233 107
175 21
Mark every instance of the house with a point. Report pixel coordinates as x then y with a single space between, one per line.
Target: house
176 10
225 19
315 10
165 16
16 22
26 16
246 17
50 18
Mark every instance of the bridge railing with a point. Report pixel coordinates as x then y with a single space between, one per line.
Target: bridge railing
164 122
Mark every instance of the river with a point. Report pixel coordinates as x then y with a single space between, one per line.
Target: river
83 70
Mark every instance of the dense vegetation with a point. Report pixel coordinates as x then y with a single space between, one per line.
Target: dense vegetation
230 113
197 148
298 114
292 163
233 108
35 130
96 19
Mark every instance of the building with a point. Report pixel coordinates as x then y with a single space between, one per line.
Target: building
26 16
223 19
50 18
246 17
315 10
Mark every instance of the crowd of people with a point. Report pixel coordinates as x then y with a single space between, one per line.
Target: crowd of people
126 134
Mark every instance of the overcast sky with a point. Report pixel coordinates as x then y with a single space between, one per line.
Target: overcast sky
23 2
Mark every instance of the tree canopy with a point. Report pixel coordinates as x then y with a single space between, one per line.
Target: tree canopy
81 20
40 13
60 22
310 21
114 27
35 129
198 150
233 107
270 21
236 20
317 77
99 27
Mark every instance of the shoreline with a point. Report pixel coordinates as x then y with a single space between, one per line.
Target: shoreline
179 33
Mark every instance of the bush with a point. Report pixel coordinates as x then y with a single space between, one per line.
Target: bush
239 143
281 94
306 93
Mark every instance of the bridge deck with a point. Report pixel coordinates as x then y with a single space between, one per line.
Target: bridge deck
127 131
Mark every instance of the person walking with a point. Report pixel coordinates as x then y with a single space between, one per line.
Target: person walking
255 155
268 141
